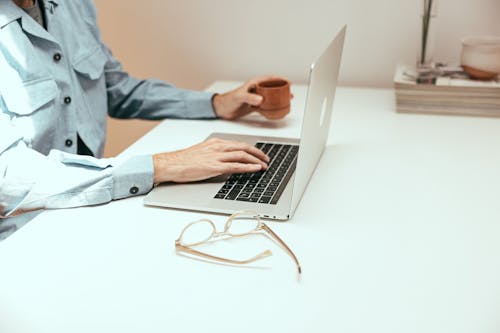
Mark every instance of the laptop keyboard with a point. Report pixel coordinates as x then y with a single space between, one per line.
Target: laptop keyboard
264 186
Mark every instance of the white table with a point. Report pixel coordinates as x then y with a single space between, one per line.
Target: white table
398 231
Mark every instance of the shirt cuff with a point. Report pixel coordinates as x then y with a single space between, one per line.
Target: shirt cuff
199 104
133 177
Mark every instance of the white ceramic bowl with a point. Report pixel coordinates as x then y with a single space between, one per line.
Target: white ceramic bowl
481 56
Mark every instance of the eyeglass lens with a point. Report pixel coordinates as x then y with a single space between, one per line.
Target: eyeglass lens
197 232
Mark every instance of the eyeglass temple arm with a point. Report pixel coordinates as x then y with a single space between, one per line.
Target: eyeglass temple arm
189 250
273 234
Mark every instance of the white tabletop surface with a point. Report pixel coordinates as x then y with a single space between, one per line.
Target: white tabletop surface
398 231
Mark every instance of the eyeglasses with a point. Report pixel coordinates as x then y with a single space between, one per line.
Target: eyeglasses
238 225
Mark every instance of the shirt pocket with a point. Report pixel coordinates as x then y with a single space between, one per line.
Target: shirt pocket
90 64
24 98
28 110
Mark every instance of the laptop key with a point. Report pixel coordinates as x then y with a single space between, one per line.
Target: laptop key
263 186
265 200
232 195
282 186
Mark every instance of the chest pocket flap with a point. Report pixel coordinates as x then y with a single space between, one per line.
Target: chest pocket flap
25 98
91 64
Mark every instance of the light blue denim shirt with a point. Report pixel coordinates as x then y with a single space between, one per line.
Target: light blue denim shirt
56 83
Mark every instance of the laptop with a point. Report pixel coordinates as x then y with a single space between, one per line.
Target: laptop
276 192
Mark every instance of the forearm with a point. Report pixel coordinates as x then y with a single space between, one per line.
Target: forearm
154 99
129 97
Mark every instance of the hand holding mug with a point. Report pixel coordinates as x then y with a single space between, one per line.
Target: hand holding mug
269 95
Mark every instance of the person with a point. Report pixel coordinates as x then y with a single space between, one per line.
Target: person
58 81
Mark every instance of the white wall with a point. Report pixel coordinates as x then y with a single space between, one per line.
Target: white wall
194 42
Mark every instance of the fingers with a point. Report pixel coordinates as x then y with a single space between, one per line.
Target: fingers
245 147
242 157
252 99
231 152
239 168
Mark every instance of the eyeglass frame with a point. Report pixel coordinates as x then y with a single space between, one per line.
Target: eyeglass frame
187 248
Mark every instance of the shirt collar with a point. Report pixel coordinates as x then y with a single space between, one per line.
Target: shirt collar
10 12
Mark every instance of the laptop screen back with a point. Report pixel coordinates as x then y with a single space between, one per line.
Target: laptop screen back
318 110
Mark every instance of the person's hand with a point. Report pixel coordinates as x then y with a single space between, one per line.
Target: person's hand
208 159
240 101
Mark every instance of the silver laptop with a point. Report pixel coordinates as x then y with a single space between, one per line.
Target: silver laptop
276 192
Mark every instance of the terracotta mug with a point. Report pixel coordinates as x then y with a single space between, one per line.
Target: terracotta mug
276 98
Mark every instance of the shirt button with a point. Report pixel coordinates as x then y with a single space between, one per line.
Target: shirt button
69 143
67 100
134 190
57 57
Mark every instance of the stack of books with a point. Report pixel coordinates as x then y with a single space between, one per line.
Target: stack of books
449 92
